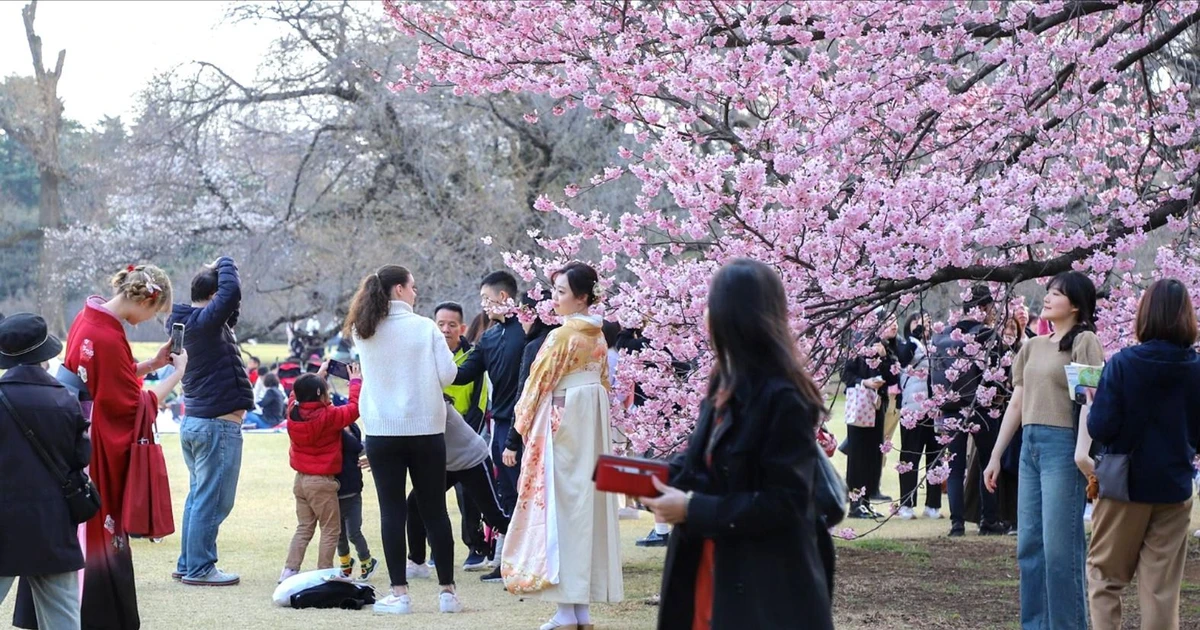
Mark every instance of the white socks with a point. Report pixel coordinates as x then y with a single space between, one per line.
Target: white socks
662 529
565 615
582 614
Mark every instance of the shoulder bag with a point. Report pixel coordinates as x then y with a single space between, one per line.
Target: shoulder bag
83 499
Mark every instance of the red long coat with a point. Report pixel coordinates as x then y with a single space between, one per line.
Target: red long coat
98 352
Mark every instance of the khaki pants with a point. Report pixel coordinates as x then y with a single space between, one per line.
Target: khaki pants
891 420
1145 538
316 502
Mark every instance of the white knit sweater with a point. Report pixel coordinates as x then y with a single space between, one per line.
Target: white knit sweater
405 366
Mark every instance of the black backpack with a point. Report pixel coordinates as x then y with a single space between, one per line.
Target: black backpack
335 594
944 353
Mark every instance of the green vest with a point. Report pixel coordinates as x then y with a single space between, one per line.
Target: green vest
461 394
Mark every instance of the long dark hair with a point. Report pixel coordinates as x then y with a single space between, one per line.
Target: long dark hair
308 388
372 300
1081 292
748 324
539 327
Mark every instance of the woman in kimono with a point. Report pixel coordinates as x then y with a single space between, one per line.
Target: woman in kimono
99 354
563 541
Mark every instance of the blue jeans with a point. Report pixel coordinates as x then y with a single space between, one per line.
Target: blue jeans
1051 548
212 450
257 420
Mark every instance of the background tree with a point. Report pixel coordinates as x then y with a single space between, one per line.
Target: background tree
32 114
872 152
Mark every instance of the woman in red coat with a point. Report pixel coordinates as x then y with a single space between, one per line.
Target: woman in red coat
98 352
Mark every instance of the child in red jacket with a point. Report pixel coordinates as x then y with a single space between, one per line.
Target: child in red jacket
315 429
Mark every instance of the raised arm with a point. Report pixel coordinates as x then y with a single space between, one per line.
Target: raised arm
227 300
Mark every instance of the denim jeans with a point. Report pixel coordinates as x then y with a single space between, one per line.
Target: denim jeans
1051 548
212 450
55 598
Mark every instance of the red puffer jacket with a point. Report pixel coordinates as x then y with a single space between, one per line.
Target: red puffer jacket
317 436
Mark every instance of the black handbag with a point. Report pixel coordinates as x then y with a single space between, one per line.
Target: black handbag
829 494
83 498
1112 472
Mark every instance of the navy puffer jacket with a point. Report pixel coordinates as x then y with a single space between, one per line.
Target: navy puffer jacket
216 382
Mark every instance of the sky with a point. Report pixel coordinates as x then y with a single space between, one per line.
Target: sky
115 47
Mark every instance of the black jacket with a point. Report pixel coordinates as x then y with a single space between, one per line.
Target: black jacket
755 502
858 369
351 477
499 354
1148 405
216 382
37 536
532 346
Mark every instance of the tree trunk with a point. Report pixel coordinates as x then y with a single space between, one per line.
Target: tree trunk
50 293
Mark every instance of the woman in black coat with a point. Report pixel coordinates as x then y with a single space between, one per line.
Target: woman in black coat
746 551
864 465
38 541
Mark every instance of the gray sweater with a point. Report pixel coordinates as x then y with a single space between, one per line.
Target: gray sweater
465 449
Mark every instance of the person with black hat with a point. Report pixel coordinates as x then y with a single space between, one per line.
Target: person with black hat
971 417
38 542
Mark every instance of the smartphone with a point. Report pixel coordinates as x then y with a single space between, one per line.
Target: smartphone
176 338
338 369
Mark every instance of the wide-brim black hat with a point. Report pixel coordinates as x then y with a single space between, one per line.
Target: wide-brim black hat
25 340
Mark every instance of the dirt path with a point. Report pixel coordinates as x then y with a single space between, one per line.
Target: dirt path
943 584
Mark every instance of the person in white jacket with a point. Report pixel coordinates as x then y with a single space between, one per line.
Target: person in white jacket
405 366
921 438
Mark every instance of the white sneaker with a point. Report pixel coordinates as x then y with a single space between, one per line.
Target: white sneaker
1197 533
906 514
393 605
448 603
417 571
932 513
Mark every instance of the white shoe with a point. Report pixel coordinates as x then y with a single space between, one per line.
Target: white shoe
448 603
554 624
1197 533
906 514
932 513
394 605
417 571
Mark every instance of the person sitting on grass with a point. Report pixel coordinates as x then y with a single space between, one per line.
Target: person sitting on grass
273 404
315 430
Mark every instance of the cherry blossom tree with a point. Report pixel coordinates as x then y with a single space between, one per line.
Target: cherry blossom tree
871 151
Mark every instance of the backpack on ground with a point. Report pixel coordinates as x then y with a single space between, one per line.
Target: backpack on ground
334 594
945 352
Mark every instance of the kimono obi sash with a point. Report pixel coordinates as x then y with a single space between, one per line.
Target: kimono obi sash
577 379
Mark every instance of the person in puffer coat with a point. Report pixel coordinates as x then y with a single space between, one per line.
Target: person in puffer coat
315 430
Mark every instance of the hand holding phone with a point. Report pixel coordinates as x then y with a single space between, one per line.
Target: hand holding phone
176 338
338 369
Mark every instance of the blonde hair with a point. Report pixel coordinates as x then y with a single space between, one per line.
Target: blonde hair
142 284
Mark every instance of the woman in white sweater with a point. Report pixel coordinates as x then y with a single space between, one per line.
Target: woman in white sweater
405 366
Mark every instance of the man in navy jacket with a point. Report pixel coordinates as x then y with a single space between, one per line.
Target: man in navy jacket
216 396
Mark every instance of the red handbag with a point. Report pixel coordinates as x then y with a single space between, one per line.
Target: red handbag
629 476
147 508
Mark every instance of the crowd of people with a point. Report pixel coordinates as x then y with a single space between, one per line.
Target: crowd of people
515 415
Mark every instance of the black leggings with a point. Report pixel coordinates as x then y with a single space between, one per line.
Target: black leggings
864 462
477 486
424 457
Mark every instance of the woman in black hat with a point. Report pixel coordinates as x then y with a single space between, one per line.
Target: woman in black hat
38 541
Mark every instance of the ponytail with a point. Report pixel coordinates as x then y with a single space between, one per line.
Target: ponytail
373 300
1067 343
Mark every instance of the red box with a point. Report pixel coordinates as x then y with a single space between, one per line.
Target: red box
628 475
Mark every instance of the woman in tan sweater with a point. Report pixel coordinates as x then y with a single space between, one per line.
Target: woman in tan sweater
1051 548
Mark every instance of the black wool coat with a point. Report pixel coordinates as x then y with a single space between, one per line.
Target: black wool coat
773 563
37 536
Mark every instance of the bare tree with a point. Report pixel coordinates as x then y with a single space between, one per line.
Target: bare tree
32 114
